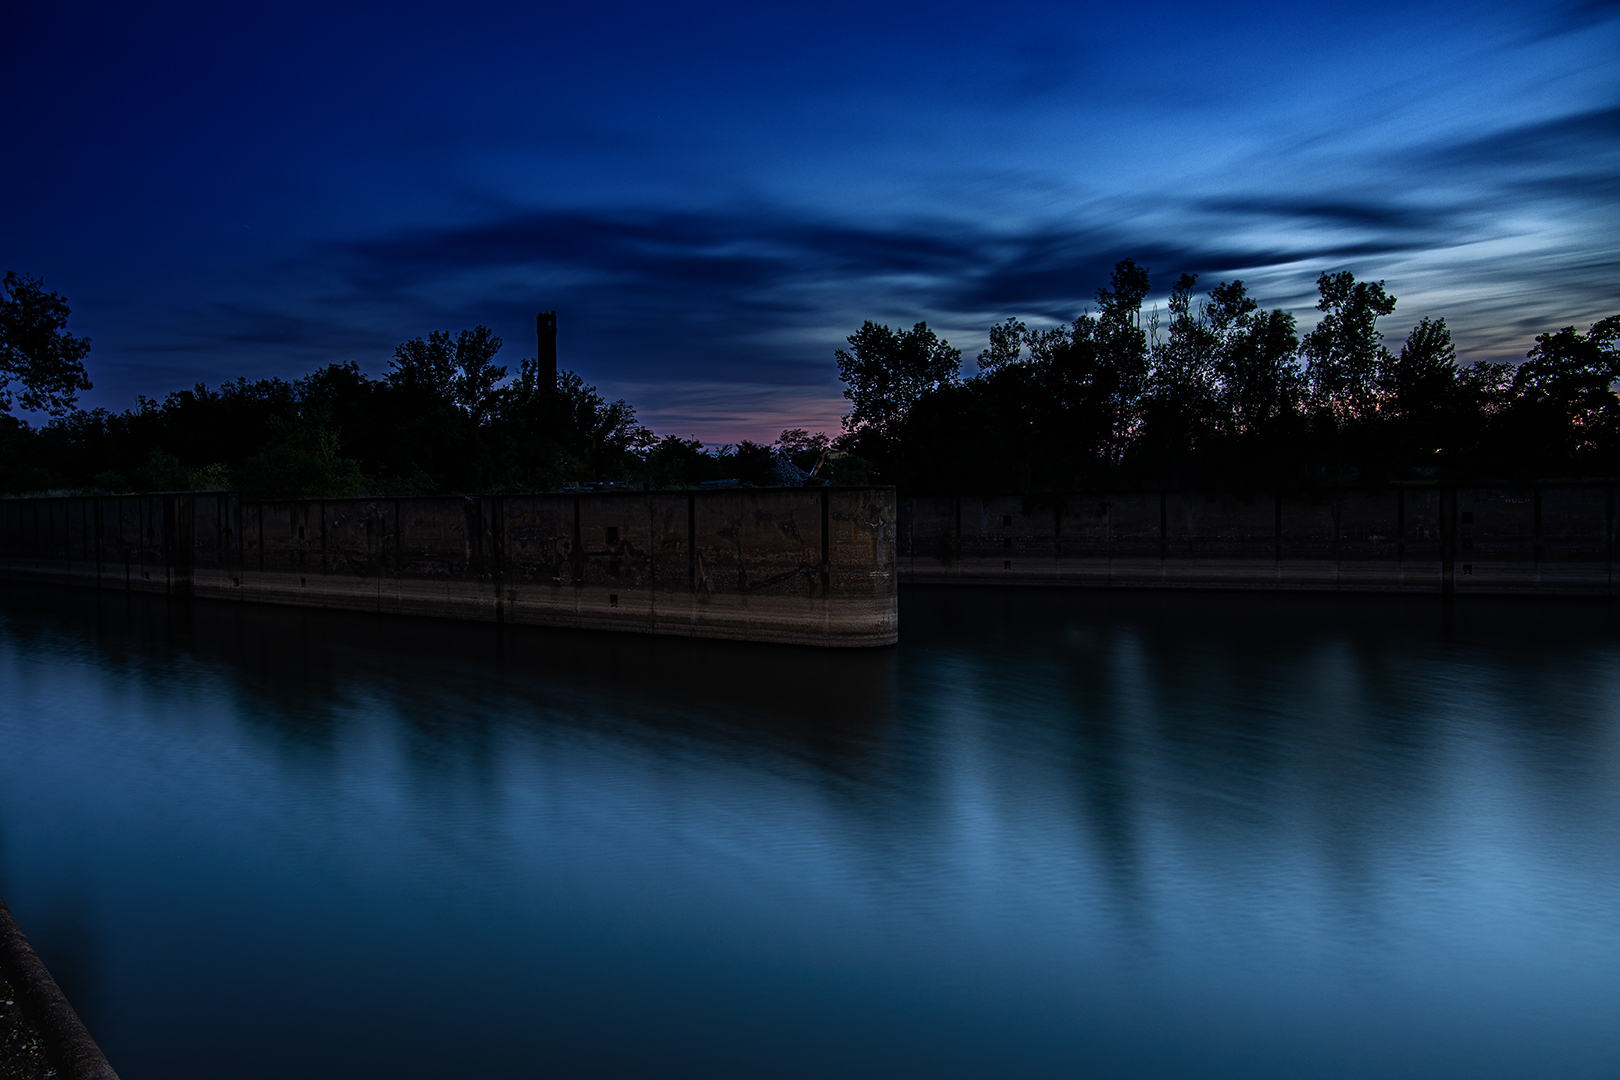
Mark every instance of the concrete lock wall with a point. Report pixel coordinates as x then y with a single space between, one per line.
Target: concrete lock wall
808 566
1556 539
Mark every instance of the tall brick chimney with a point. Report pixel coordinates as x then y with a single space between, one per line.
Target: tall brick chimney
545 326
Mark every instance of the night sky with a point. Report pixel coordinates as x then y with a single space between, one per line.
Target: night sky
713 197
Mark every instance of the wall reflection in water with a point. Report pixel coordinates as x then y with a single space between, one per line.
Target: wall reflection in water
1049 834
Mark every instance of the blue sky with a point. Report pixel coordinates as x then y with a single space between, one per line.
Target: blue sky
713 196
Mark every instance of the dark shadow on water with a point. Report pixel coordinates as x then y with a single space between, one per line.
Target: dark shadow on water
452 680
1024 616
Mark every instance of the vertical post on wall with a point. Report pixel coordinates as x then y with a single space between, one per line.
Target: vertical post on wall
1164 526
144 531
691 542
100 539
1338 525
1608 534
1535 534
123 545
1276 533
1108 533
238 527
167 549
826 545
956 544
1448 541
577 567
1400 527
497 554
179 543
906 534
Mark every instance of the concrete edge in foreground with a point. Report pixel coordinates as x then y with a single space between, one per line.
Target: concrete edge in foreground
71 1047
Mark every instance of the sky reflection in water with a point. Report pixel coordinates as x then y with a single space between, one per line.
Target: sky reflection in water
1047 835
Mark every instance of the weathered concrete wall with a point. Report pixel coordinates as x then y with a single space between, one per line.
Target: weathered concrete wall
1553 539
802 565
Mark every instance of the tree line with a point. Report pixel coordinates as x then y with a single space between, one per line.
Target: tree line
1215 393
1218 394
444 417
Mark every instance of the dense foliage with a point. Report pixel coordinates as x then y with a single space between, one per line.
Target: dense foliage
36 351
445 418
1224 395
1219 394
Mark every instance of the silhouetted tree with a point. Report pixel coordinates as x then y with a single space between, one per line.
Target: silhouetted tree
36 351
1006 345
1345 353
1106 366
1181 402
461 371
1564 414
1257 379
886 372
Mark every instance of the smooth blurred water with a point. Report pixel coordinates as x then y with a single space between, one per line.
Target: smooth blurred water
1051 834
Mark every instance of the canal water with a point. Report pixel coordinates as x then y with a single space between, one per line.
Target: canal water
1050 834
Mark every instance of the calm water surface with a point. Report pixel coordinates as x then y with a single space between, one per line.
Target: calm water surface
1049 835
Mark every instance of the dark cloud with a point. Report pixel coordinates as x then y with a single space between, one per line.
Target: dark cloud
1566 161
1567 18
693 268
748 249
1353 214
1574 143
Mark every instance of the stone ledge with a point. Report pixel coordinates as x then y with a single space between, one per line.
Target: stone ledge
51 1040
